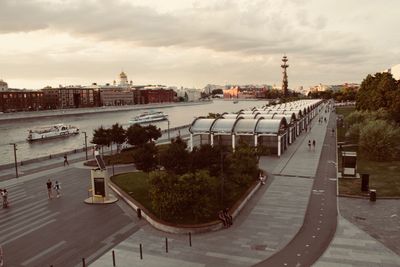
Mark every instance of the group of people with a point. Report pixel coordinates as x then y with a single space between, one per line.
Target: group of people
225 217
313 144
4 196
50 187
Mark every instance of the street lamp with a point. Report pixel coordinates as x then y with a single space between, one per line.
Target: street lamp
85 144
15 158
168 130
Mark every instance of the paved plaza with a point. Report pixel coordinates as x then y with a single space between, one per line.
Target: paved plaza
36 231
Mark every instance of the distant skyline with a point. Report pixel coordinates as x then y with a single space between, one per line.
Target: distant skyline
192 43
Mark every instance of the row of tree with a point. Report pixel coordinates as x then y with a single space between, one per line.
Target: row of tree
344 94
135 135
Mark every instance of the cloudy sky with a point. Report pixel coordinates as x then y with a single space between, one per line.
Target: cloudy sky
195 42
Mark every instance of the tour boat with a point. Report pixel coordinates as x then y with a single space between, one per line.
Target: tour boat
52 131
150 116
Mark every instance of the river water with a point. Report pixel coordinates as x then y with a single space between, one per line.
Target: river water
17 131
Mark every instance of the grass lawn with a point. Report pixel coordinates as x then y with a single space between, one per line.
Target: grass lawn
136 184
383 176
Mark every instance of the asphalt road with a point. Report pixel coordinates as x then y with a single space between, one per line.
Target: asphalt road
36 231
320 219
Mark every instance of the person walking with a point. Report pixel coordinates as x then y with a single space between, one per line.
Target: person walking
49 186
66 160
313 144
4 196
309 144
57 188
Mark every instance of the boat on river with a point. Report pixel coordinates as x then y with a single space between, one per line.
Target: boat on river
149 116
52 131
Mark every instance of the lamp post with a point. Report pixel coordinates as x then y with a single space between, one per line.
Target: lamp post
85 144
222 178
168 130
15 159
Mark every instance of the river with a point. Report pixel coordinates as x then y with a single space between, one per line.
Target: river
17 131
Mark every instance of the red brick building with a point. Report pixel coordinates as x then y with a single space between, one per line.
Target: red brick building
150 95
21 100
70 97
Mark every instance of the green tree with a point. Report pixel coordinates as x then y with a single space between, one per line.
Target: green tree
188 195
153 133
118 135
136 135
101 137
176 158
379 140
145 157
206 157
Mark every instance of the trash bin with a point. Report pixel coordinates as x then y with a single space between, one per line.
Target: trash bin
364 182
139 213
372 195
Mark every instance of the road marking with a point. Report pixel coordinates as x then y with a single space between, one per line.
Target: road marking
298 254
50 249
318 229
307 245
320 215
332 179
313 236
28 232
321 209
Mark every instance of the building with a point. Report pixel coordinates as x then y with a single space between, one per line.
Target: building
246 92
395 71
21 100
153 94
189 94
69 97
115 96
3 85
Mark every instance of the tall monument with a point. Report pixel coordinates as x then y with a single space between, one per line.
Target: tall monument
284 66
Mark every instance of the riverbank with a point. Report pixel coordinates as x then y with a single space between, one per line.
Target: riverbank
92 110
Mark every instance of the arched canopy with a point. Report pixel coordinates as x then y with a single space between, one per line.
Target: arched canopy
230 116
245 126
271 126
290 118
247 116
265 115
223 126
201 125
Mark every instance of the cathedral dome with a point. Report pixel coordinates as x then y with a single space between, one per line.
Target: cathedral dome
123 75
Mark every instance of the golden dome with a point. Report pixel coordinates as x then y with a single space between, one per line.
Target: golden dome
123 75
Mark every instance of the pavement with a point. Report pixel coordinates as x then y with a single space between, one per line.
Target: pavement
270 222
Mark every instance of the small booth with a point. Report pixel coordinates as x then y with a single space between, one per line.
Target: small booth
349 164
99 193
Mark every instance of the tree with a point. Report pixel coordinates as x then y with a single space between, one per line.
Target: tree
176 158
145 157
174 196
101 137
205 158
118 135
136 135
153 133
379 140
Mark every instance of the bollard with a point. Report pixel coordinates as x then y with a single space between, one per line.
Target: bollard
83 262
141 252
190 239
113 257
166 245
372 195
139 213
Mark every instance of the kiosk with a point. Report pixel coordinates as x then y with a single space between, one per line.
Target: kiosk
349 164
99 193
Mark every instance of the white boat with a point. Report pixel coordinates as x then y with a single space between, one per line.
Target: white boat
150 116
52 131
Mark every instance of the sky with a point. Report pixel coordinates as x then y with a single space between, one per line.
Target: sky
193 43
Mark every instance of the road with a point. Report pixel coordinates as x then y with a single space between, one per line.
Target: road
36 231
320 221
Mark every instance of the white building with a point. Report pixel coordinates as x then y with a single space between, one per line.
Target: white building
190 94
395 71
3 85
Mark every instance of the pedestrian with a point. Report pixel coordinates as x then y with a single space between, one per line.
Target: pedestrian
4 196
228 217
262 178
66 160
49 186
313 144
333 131
57 187
325 119
222 218
309 144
